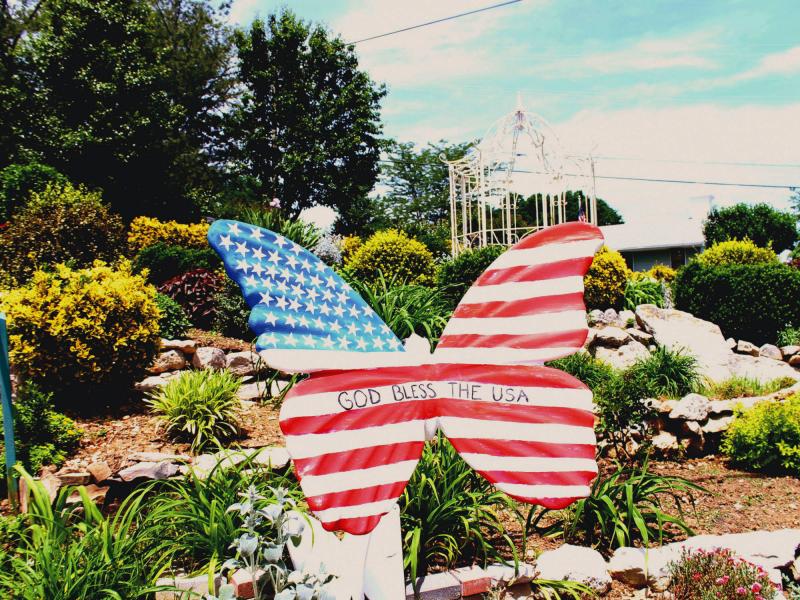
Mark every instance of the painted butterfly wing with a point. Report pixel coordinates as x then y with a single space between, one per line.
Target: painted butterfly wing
527 307
305 316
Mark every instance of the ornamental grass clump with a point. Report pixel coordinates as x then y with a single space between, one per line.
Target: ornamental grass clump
200 406
710 575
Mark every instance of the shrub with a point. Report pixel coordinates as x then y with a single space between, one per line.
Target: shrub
395 255
406 309
146 231
703 575
604 284
643 291
735 252
329 249
456 276
760 223
766 437
165 261
789 336
665 373
662 273
195 291
583 366
43 436
742 387
87 326
448 513
232 312
63 224
622 508
173 321
201 406
751 302
18 181
350 244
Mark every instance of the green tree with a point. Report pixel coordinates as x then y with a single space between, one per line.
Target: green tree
761 223
307 124
606 215
795 200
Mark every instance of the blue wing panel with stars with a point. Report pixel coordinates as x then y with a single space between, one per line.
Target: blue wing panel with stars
298 302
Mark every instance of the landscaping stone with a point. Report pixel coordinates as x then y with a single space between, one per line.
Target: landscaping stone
665 442
760 368
501 573
731 343
51 485
148 384
743 347
197 584
692 407
693 435
629 566
275 456
575 563
721 407
437 586
74 478
242 582
184 346
666 407
100 471
594 316
789 351
149 470
242 363
171 360
640 336
158 457
717 425
277 387
208 358
624 356
626 317
590 336
474 580
795 360
770 351
96 493
611 337
252 391
610 315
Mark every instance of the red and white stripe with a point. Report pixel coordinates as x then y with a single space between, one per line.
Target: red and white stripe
354 464
527 307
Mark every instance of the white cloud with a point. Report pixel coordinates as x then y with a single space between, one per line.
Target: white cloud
779 63
243 10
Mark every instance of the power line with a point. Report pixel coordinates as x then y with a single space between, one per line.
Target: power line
442 20
700 162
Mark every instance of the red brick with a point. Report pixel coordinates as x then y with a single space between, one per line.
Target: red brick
474 580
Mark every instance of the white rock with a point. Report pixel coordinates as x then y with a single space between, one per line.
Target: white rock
252 391
243 363
610 315
692 407
721 407
208 357
770 351
595 316
789 351
185 346
148 384
744 347
171 360
624 356
640 336
665 441
760 368
149 470
276 457
629 566
717 425
794 361
626 318
575 563
611 337
731 343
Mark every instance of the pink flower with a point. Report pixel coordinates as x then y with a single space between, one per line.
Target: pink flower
275 203
756 587
740 590
696 576
722 580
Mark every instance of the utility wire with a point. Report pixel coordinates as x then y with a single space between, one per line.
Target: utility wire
698 162
442 20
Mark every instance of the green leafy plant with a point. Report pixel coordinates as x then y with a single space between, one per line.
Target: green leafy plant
43 436
456 275
582 365
550 589
72 552
742 387
624 507
232 312
643 291
789 336
17 181
766 437
665 373
164 261
201 406
173 321
709 575
195 291
301 233
448 513
760 222
736 252
192 515
406 309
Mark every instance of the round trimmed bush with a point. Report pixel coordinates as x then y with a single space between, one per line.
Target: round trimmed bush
86 326
662 273
736 252
751 302
62 224
165 261
456 276
605 283
401 259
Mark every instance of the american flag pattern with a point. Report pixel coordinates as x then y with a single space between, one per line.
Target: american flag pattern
356 428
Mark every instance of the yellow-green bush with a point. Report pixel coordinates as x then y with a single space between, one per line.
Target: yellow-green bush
400 258
605 283
350 244
146 231
662 273
736 252
95 325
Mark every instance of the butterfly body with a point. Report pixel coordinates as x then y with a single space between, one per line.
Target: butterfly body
356 427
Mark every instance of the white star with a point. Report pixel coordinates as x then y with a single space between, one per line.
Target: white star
274 257
291 321
303 321
316 281
326 295
271 339
330 281
298 289
385 328
286 274
241 248
353 310
294 304
297 249
378 343
361 344
309 340
281 302
270 318
335 326
271 270
289 339
300 278
394 342
310 308
352 329
242 264
344 342
234 229
258 269
325 309
265 298
366 310
250 280
305 264
225 241
258 253
338 310
256 232
318 323
320 266
312 293
292 261
280 240
281 285
342 297
369 328
328 342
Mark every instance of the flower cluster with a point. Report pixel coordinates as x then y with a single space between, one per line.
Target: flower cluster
707 575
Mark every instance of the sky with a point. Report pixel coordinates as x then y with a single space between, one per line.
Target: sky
700 90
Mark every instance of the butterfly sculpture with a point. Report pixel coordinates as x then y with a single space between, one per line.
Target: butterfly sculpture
355 428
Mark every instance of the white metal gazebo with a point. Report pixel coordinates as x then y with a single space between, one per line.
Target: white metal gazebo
520 155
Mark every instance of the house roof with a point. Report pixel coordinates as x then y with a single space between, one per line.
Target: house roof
687 233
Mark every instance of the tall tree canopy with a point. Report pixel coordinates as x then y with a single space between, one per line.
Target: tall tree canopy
307 124
761 223
123 95
606 215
